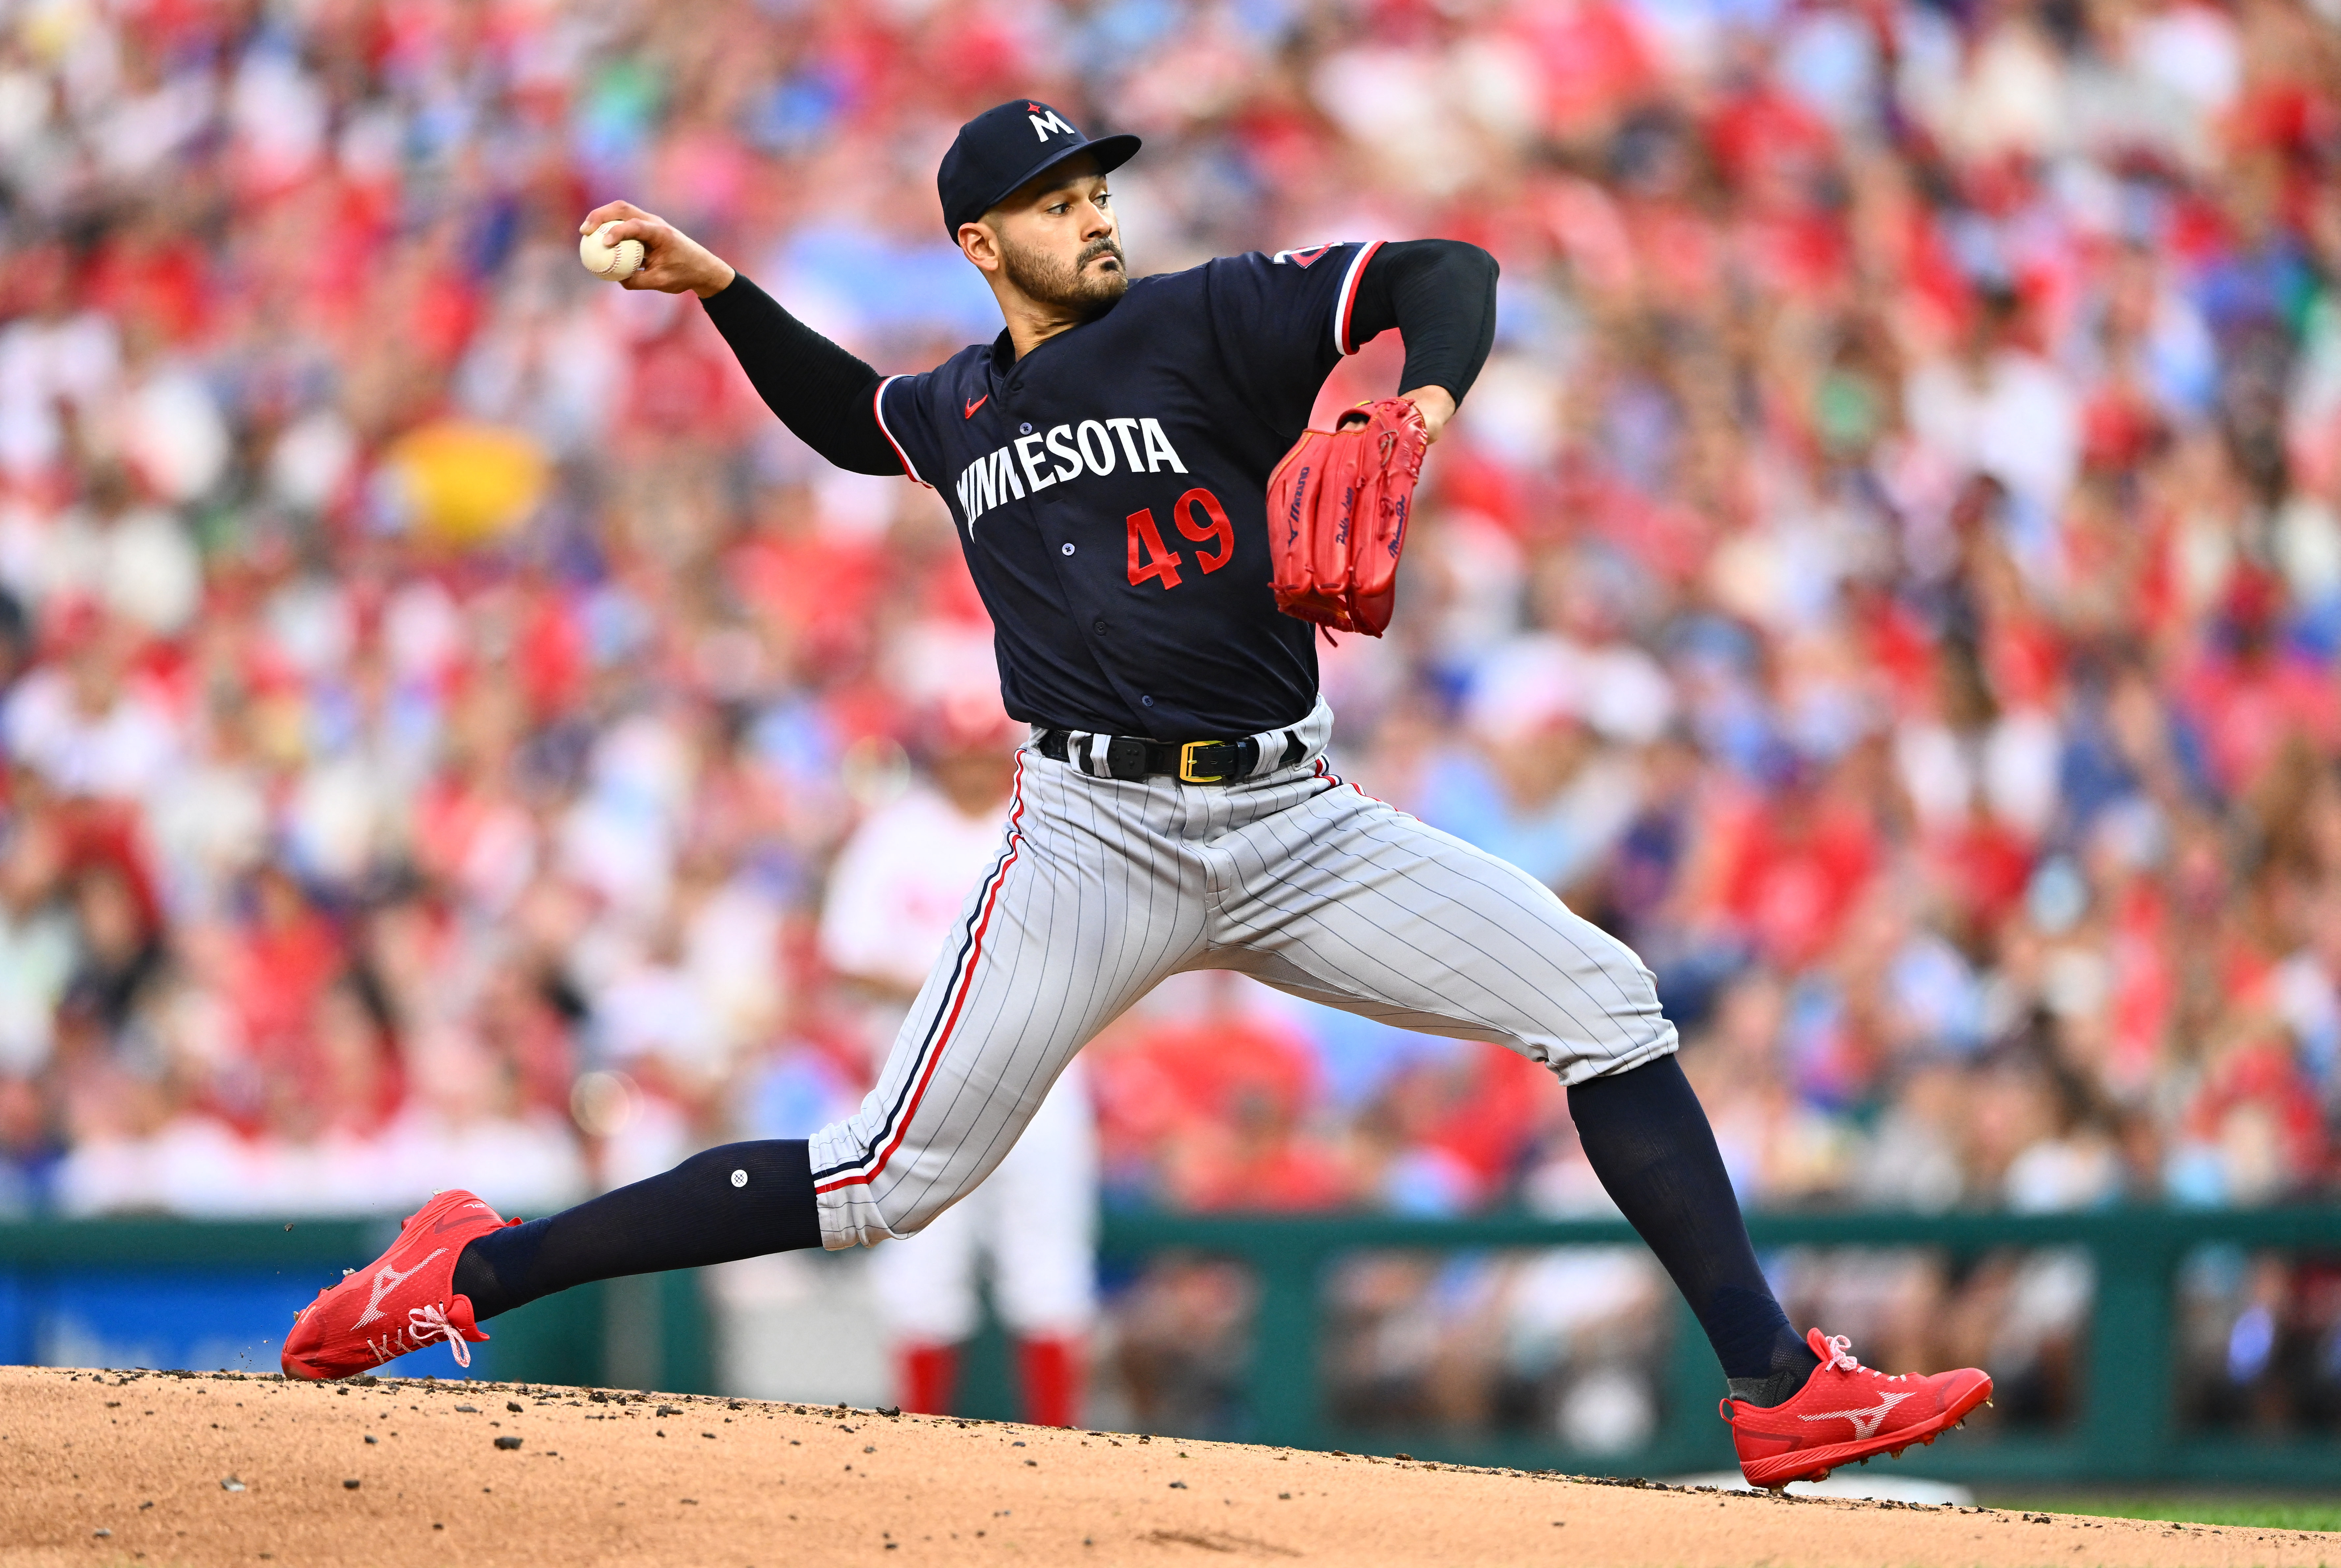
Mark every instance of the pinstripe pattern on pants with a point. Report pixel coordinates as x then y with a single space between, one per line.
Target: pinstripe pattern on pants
1105 887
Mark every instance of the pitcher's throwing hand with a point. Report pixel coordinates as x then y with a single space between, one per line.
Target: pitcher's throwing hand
673 262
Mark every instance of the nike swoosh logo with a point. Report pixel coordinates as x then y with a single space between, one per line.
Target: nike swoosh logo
1865 1422
387 1280
978 402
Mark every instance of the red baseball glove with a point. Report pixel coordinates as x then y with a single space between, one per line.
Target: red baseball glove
1336 511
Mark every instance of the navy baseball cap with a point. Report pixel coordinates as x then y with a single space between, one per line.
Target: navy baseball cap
1006 145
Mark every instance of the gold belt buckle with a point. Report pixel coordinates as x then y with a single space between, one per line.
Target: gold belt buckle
1187 774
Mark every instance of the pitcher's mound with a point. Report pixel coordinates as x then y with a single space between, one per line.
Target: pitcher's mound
216 1468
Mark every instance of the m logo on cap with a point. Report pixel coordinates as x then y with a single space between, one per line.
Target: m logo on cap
1045 121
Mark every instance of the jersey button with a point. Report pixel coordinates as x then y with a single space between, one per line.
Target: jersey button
1148 700
1068 548
1024 430
1098 625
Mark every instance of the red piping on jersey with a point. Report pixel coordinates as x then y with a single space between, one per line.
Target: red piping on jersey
1338 782
878 412
1348 300
966 985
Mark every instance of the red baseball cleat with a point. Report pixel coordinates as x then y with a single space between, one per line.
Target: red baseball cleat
404 1301
1845 1413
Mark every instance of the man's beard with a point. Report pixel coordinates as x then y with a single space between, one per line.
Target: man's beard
1046 281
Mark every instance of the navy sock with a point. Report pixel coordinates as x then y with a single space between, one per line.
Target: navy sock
1648 1138
739 1200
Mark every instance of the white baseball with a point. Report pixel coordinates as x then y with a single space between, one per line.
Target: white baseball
617 263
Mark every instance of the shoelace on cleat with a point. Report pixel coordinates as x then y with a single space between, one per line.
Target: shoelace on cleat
423 1325
426 1324
1841 1358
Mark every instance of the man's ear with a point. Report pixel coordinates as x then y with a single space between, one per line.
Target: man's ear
979 245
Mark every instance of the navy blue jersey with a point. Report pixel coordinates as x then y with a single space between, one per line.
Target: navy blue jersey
1111 494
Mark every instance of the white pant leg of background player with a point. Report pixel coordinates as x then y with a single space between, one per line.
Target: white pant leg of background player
1039 1215
1099 892
1348 901
926 1284
1034 1219
896 890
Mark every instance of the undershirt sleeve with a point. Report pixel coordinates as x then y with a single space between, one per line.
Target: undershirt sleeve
1440 294
822 393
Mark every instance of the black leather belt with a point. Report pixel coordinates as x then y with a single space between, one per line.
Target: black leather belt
1134 758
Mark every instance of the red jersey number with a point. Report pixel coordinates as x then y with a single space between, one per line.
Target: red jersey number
1199 516
1149 560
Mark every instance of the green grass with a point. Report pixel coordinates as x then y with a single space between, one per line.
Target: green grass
2266 1514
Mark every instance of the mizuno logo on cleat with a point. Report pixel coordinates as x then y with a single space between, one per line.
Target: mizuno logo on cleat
1865 1422
387 1279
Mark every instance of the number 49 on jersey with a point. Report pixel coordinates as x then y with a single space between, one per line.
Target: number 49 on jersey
1199 515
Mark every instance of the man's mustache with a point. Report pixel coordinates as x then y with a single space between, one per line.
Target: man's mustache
1101 248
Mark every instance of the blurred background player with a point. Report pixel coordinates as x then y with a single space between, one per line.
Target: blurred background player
894 894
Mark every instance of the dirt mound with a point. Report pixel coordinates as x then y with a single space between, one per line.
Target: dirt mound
214 1468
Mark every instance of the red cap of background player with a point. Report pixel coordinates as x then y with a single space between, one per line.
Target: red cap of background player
1006 145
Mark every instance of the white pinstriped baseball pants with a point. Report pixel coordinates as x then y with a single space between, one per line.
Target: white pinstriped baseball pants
1105 887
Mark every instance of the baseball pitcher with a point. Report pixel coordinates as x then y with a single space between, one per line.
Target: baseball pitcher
1108 460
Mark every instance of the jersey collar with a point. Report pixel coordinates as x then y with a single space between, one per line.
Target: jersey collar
1003 347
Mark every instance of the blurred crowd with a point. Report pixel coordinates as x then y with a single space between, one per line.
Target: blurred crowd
1889 571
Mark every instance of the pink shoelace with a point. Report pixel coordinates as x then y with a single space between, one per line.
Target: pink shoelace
423 1325
426 1324
1841 1356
